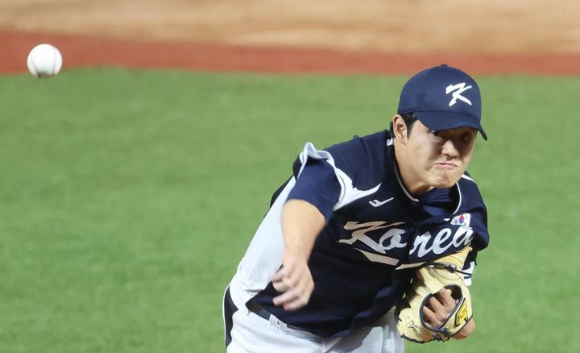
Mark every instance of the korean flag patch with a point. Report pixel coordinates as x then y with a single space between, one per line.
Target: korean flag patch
462 220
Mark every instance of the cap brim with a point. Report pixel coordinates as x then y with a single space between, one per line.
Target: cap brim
438 121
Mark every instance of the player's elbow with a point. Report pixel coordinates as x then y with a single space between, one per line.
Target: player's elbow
466 331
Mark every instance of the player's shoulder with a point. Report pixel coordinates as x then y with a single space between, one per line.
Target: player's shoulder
364 158
362 148
469 188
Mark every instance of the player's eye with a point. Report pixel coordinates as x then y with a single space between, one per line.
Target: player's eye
467 138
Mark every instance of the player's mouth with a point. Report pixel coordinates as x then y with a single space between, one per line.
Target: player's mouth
445 165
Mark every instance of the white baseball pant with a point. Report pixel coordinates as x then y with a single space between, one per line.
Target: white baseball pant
247 332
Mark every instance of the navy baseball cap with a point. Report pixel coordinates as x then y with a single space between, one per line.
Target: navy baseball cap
443 98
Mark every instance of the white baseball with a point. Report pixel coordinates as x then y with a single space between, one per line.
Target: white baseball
44 60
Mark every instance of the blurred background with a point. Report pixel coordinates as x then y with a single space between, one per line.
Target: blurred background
133 181
406 26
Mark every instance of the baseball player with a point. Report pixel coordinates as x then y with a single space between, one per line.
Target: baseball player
337 249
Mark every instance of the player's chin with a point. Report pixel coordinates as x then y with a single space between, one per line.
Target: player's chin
445 180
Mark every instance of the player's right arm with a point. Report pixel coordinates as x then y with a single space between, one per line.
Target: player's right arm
304 215
301 223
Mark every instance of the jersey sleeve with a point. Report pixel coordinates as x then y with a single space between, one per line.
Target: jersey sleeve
318 185
478 222
351 165
476 207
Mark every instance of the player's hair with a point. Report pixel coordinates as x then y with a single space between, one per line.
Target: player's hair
409 119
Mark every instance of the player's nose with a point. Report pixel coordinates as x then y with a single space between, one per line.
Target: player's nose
449 149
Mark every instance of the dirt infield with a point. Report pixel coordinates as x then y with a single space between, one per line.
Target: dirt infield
331 36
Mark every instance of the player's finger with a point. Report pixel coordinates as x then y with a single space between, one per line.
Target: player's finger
280 286
292 300
284 280
295 304
446 299
295 297
285 298
279 275
434 304
302 297
436 310
429 317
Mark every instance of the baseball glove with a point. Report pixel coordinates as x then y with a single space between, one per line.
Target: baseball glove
429 279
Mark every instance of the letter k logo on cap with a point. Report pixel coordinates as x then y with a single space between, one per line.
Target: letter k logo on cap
459 88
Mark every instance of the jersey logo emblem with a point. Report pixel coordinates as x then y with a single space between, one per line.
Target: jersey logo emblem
458 88
391 239
426 244
377 203
462 220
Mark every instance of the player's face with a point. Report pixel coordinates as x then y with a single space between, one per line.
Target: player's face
438 159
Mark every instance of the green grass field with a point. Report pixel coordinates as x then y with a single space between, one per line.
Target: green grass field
127 199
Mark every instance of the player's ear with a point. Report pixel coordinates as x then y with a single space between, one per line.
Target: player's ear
399 128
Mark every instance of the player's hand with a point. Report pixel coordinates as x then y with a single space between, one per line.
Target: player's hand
294 281
438 307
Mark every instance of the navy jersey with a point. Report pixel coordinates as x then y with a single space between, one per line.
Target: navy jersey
376 234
